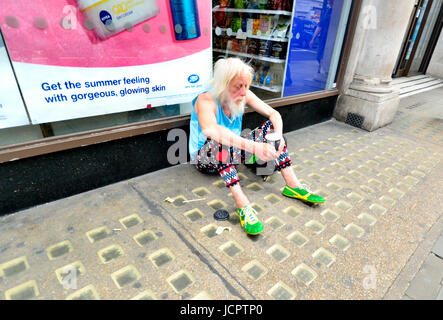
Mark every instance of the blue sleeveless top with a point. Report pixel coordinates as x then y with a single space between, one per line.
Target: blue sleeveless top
197 139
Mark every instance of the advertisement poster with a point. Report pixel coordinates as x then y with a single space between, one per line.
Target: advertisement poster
12 110
81 58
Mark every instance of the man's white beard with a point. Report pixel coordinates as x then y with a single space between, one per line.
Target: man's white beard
236 108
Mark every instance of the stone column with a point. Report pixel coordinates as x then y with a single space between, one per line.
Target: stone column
367 97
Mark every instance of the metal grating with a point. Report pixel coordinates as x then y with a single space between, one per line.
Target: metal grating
354 120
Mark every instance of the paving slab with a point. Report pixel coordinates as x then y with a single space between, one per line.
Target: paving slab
127 241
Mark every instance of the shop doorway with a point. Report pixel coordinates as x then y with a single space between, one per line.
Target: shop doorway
417 24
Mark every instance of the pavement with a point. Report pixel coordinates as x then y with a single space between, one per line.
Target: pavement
378 236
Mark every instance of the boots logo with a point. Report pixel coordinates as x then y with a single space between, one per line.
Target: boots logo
193 78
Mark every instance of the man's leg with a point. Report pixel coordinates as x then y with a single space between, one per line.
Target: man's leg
247 215
283 163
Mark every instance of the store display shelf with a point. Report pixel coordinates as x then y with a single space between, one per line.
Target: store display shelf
247 55
271 89
244 35
262 11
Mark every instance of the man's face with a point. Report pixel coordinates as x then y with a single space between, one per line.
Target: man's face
238 88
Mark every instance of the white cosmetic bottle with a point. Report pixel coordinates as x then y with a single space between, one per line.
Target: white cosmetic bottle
110 17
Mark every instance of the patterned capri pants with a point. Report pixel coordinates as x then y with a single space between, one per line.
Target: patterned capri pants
216 158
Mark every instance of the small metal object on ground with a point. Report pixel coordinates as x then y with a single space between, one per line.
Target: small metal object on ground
221 215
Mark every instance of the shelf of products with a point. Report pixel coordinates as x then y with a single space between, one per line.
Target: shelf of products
257 31
260 11
243 35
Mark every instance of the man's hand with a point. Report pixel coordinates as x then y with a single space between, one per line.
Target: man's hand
265 152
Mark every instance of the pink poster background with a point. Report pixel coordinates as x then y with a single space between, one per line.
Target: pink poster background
79 47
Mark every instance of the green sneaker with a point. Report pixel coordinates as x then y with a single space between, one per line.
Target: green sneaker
303 194
249 220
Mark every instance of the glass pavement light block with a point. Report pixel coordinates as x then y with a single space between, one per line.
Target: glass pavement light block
424 168
384 177
24 291
86 293
339 149
346 160
125 276
404 186
304 150
396 193
275 222
320 157
278 252
304 274
345 206
181 280
298 168
367 219
272 198
321 193
131 221
293 212
219 184
399 166
145 295
231 249
209 230
387 201
324 257
315 176
364 169
377 209
334 186
325 143
254 187
354 197
381 159
281 291
329 153
309 163
298 238
315 226
161 257
98 234
201 192
257 207
337 165
255 270
356 155
391 171
327 171
340 242
330 215
344 179
375 182
65 275
202 296
179 201
355 173
59 249
355 230
373 163
110 253
216 204
14 267
367 189
194 214
418 173
145 237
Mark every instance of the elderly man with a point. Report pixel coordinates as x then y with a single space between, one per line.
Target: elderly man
217 144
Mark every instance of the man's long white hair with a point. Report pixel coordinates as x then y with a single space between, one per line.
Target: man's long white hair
224 71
